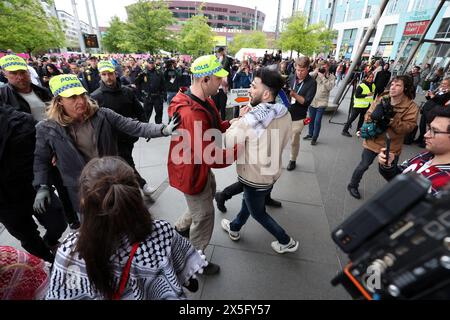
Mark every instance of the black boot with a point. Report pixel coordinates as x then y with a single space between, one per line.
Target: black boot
211 269
346 133
291 166
354 192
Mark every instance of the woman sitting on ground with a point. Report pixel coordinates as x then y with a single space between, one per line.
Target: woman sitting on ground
120 252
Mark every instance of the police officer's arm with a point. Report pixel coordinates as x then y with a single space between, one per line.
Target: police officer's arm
132 127
42 157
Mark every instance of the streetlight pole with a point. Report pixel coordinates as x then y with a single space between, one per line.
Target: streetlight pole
362 47
277 30
78 24
96 26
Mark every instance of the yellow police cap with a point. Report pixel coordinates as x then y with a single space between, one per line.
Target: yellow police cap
206 66
66 85
12 62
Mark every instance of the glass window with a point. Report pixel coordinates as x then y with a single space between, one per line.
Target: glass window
444 29
388 33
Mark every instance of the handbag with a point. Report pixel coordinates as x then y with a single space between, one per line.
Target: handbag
125 274
370 130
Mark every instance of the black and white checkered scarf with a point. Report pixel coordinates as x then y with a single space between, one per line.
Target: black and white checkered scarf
262 115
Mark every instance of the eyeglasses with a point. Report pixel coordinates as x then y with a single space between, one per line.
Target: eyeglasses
434 132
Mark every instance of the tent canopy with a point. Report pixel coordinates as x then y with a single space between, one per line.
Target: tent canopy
244 53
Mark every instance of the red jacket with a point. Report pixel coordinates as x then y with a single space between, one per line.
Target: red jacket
188 171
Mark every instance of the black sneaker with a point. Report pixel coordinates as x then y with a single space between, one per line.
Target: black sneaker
273 203
307 137
291 166
220 200
313 142
346 133
211 269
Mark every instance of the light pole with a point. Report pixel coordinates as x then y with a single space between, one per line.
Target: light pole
78 24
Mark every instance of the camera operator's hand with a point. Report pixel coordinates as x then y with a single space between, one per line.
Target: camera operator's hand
382 158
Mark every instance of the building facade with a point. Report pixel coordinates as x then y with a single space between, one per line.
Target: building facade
401 21
69 26
224 19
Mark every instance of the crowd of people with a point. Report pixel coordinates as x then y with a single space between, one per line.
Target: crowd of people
68 128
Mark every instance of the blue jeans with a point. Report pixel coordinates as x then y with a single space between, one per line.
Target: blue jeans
253 203
316 121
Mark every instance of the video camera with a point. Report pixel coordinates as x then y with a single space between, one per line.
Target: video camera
398 244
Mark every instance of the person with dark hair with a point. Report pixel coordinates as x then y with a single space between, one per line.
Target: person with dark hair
361 102
398 117
255 129
381 80
434 163
120 252
220 98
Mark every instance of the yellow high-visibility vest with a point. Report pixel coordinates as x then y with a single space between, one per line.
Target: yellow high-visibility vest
364 102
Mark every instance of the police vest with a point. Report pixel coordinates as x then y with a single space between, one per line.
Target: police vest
364 102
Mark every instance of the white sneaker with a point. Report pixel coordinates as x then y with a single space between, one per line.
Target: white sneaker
148 190
234 235
292 246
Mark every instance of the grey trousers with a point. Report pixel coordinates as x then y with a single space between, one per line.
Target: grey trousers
199 216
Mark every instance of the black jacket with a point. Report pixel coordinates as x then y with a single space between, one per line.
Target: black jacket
52 138
381 80
17 143
172 74
151 81
9 96
121 100
308 91
92 79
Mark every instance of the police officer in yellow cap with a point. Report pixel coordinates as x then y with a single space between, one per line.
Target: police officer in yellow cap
76 131
122 100
20 92
196 180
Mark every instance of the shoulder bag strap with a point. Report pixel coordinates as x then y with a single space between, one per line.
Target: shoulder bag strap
125 273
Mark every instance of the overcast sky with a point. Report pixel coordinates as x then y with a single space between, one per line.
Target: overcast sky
109 8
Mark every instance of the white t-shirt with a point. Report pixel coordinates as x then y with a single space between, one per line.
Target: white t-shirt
37 106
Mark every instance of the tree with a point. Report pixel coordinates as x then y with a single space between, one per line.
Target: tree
303 38
256 39
147 26
196 36
25 27
116 38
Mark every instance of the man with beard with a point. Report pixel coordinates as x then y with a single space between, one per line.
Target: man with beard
264 131
111 94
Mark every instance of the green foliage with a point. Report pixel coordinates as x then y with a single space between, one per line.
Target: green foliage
306 39
256 39
26 28
196 36
147 26
116 37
